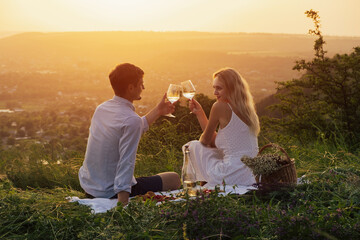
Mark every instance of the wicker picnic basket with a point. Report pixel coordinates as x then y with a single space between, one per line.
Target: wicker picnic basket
285 175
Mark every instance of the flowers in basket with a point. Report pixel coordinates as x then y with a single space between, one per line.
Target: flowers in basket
265 164
272 168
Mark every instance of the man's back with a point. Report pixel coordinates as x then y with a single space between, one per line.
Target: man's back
111 150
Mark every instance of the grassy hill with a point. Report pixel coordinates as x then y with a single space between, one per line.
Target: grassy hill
325 206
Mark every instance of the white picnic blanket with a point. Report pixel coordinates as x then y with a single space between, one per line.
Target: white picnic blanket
97 205
101 205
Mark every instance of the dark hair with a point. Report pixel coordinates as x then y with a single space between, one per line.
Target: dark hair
124 75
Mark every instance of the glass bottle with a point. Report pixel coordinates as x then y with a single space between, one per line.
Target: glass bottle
188 176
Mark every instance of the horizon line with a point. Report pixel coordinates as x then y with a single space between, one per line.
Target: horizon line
172 31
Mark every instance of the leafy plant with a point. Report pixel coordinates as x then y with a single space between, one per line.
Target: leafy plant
325 98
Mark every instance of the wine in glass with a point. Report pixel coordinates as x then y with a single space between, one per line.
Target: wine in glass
188 89
173 94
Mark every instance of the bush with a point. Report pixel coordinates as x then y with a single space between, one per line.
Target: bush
39 165
10 141
325 99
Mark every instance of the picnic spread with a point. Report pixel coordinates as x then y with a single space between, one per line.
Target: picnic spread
268 168
102 205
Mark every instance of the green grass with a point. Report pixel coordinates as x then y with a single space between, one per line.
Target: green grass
33 205
328 208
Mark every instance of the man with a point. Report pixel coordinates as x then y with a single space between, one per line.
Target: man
114 135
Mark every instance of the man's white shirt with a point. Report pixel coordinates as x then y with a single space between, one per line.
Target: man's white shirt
114 136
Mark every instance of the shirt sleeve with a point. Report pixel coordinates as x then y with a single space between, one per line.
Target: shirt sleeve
145 124
128 144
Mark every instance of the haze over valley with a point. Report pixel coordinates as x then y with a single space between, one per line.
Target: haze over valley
37 69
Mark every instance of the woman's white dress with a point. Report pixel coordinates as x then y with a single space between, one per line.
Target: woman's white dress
223 164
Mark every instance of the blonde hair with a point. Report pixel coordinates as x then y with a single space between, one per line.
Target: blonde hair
239 96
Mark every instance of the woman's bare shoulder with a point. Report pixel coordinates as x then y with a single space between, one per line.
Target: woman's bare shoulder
221 106
222 111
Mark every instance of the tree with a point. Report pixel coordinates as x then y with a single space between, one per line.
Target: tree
10 141
12 105
4 133
326 97
20 133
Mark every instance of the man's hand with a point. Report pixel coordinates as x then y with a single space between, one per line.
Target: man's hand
123 197
164 107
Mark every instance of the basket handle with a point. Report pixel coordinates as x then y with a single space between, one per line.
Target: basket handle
275 146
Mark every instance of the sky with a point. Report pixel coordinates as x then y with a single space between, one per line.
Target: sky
338 17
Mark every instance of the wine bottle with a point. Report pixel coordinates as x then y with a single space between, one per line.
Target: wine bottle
188 174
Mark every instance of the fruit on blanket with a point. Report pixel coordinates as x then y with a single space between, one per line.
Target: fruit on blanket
154 197
207 191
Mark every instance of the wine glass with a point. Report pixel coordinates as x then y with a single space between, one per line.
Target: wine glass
173 94
188 89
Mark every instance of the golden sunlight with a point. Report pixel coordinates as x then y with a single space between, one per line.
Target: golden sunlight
271 16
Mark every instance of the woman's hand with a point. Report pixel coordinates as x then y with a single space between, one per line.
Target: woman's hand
195 107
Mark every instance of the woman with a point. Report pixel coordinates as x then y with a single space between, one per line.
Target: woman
216 157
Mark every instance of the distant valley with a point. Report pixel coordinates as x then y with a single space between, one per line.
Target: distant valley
36 66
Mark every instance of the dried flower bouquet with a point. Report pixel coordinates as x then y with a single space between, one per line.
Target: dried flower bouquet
272 168
265 164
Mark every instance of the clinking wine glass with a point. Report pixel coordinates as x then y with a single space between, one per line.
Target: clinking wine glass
188 89
173 94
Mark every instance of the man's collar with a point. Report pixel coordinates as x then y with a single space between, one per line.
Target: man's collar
124 101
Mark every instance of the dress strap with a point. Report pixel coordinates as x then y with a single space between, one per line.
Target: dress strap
230 106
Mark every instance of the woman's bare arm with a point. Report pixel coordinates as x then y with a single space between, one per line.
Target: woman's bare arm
209 134
196 109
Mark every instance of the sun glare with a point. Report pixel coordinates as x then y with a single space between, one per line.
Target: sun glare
278 16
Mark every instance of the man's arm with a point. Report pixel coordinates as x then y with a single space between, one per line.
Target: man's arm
128 144
123 197
162 108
